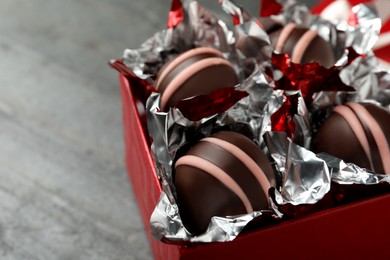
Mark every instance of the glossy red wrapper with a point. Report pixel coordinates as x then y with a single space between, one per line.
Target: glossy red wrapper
203 106
141 87
311 77
308 78
282 119
270 7
176 14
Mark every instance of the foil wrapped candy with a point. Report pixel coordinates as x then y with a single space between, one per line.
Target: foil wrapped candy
242 115
192 26
256 112
358 80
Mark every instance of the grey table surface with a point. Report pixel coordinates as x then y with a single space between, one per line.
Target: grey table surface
64 191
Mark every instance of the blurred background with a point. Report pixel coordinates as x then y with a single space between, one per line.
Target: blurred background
64 191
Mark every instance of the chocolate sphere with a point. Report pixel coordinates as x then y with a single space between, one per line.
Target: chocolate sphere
195 72
222 175
358 133
302 45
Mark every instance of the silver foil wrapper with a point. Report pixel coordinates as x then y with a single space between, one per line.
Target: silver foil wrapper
251 114
349 173
251 40
363 35
167 226
239 14
305 177
364 74
371 82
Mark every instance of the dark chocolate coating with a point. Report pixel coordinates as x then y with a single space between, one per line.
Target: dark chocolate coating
205 82
249 46
269 25
336 137
202 196
318 50
180 67
212 77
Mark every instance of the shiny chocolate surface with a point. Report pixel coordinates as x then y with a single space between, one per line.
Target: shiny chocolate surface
357 133
202 195
310 46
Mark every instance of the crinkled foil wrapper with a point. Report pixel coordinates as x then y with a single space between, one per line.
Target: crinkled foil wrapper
365 74
305 177
371 82
251 115
199 28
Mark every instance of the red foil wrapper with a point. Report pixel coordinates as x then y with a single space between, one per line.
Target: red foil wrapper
204 106
282 119
176 14
270 7
311 77
141 87
308 79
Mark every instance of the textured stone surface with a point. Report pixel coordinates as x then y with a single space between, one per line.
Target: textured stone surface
64 192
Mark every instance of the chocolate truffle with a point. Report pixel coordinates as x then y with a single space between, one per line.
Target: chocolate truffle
357 133
222 175
195 72
302 45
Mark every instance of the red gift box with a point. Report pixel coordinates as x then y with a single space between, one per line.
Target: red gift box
356 230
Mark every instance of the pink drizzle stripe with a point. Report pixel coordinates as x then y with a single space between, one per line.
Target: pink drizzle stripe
245 159
301 45
379 136
357 128
217 173
181 58
284 34
185 74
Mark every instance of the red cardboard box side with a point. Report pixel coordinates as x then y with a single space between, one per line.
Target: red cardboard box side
357 230
140 168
